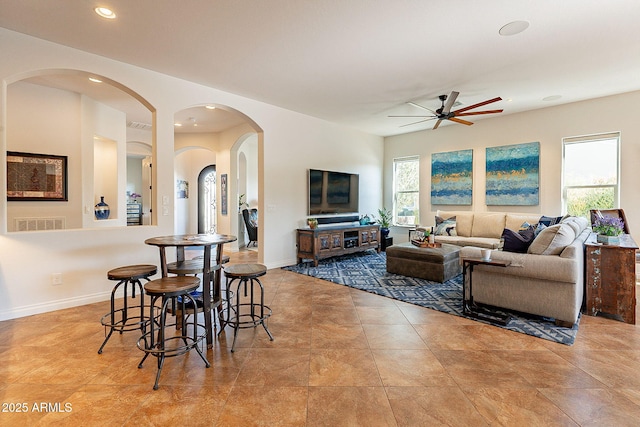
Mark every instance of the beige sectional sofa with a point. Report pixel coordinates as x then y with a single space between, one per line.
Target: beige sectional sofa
483 229
547 281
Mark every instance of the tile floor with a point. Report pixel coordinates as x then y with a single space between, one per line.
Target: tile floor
341 357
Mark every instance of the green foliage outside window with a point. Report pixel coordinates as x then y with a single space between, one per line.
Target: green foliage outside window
581 200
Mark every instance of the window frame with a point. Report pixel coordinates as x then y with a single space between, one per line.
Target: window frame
589 139
396 192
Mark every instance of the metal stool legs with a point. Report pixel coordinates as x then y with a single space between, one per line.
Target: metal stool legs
257 312
156 342
128 276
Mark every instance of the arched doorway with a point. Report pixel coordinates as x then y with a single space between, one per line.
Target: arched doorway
207 207
213 127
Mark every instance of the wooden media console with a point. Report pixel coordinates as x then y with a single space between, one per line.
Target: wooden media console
325 242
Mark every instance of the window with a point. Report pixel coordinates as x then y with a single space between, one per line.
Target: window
590 173
406 190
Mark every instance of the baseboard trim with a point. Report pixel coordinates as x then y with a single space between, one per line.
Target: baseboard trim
29 310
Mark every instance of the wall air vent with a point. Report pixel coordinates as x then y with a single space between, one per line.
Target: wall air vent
138 125
40 224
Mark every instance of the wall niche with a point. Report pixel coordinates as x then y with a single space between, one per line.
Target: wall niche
94 122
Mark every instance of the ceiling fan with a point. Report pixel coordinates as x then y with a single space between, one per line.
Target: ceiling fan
445 113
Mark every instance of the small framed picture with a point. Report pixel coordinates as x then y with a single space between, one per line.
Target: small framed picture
223 190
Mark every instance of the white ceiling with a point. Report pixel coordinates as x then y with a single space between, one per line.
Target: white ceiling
356 62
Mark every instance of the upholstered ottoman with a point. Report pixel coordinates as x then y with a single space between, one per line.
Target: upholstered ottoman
437 264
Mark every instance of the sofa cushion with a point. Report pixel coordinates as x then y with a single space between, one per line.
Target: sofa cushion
578 223
445 227
517 241
552 240
464 220
488 225
571 222
478 242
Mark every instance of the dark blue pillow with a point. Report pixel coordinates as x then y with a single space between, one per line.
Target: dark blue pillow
517 241
550 220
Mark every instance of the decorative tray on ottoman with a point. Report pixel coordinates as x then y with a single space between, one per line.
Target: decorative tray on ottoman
425 244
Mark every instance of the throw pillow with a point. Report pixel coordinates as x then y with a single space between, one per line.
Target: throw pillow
253 218
550 220
538 229
445 227
525 226
517 241
552 240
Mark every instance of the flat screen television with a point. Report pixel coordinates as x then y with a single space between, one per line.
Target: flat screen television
332 192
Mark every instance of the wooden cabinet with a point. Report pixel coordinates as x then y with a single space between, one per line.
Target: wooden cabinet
611 278
326 242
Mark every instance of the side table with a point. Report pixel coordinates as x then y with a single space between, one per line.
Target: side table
386 242
469 308
611 278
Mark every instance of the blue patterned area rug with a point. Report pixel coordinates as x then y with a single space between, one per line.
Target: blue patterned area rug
367 271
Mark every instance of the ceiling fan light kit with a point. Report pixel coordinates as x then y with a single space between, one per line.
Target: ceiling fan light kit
445 113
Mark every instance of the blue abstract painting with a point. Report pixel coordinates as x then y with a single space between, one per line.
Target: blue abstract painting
452 178
513 175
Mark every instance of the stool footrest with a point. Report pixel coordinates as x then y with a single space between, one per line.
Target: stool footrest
254 319
131 323
188 342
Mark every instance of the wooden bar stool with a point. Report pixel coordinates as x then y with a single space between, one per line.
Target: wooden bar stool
119 319
162 345
257 313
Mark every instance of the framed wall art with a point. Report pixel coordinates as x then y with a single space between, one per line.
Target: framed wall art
36 177
452 178
513 175
182 189
223 195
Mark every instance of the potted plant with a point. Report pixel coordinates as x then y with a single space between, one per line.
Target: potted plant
312 222
608 229
384 218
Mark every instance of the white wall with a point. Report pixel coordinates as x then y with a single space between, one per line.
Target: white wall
188 165
289 144
58 116
548 126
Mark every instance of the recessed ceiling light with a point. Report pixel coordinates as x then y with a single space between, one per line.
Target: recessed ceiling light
513 28
105 12
95 80
552 98
177 125
210 107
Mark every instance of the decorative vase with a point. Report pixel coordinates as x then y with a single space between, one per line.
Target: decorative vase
384 232
608 240
102 210
313 223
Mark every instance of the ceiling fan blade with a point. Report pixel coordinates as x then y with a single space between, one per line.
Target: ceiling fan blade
421 106
479 112
490 101
415 123
450 101
462 122
410 116
437 124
